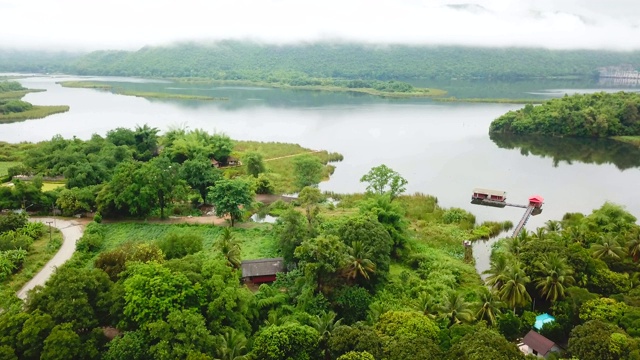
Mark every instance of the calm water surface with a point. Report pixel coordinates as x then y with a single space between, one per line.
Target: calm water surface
440 148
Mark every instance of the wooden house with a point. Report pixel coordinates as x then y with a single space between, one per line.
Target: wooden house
262 270
538 345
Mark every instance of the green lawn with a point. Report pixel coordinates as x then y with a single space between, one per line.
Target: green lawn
5 165
256 242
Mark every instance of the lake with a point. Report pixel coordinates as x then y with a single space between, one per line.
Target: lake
442 149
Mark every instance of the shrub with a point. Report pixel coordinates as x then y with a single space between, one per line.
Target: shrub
177 245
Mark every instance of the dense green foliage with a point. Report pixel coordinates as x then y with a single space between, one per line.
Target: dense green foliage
232 60
589 115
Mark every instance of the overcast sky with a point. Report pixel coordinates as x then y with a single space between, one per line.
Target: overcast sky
131 24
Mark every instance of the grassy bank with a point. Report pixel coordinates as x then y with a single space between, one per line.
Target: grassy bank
42 250
491 100
633 140
417 92
144 94
17 94
37 112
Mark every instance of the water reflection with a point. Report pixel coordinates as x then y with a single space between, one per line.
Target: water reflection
589 151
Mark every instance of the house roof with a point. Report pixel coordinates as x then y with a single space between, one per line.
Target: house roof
536 198
538 342
262 267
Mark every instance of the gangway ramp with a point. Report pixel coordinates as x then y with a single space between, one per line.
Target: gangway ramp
523 221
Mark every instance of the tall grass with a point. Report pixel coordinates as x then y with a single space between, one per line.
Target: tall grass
256 242
37 112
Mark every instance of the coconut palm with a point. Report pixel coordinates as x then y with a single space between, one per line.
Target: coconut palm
553 225
325 323
269 297
557 275
608 246
229 247
489 307
514 290
455 309
358 262
514 246
376 309
496 272
233 346
540 234
426 305
633 246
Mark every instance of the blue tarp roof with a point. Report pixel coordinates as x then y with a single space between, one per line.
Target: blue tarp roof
543 319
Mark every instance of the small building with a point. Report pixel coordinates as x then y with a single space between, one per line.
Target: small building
536 201
538 345
487 194
215 163
232 161
262 270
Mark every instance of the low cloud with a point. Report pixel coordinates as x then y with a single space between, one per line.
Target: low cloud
125 24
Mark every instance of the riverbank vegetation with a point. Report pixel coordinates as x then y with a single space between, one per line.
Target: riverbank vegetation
12 109
490 100
633 140
129 92
581 115
140 174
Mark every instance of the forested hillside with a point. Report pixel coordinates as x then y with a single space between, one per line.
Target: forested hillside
590 115
234 60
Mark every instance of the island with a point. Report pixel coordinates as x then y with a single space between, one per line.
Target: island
13 109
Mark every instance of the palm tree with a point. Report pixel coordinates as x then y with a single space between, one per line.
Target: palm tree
455 309
608 246
376 309
325 323
514 290
556 276
514 245
229 247
540 234
496 272
233 346
553 226
426 305
358 263
489 307
633 246
269 297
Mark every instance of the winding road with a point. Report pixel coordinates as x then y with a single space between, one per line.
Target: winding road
71 232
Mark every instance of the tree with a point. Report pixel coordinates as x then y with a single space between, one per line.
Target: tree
200 175
382 180
33 334
62 344
484 344
310 197
290 230
222 146
183 333
146 142
152 292
353 355
514 291
254 163
177 245
323 257
162 182
229 197
455 309
229 246
324 324
289 341
367 240
132 345
352 303
75 201
358 262
78 297
608 246
497 271
489 307
114 262
233 346
633 246
358 337
595 340
307 171
556 276
391 216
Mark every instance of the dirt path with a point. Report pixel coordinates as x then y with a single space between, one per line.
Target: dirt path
71 232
